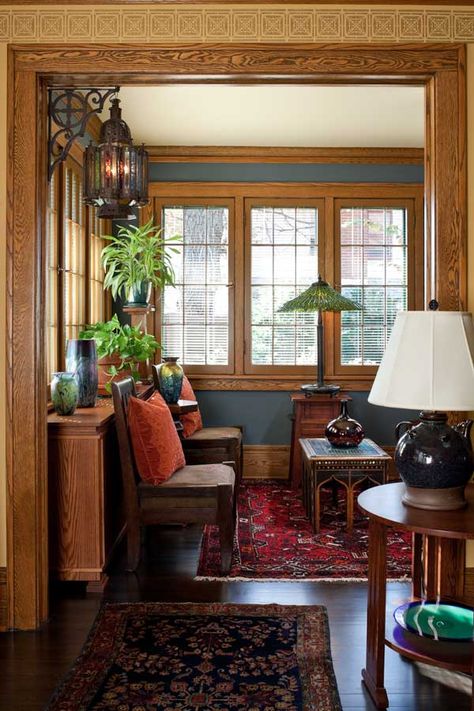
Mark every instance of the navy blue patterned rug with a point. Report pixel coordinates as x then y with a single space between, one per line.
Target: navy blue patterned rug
201 657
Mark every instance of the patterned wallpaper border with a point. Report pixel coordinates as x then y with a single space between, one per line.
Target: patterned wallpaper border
239 23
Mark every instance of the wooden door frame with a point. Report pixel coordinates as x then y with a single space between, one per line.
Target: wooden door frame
440 68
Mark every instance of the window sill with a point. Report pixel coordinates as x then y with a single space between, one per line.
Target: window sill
273 383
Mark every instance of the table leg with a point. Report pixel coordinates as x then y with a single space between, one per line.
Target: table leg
417 566
373 674
304 486
350 508
316 507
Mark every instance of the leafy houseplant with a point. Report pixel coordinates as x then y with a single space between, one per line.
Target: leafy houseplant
136 259
121 347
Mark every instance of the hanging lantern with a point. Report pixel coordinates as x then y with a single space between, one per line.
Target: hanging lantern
115 171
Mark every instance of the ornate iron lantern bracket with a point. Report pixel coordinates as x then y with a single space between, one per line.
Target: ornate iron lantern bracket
69 110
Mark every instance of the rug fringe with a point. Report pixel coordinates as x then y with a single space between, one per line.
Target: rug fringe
225 579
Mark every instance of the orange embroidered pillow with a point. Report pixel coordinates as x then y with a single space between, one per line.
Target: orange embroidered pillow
191 421
156 445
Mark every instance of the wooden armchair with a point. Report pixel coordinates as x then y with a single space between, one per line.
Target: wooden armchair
212 444
204 493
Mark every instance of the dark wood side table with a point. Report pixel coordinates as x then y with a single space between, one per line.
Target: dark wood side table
323 463
383 505
310 417
181 408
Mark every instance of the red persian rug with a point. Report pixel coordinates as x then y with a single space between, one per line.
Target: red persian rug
165 657
274 540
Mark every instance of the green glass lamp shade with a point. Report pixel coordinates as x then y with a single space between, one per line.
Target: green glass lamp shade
320 296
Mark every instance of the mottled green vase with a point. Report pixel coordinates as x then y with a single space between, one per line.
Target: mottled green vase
64 393
170 379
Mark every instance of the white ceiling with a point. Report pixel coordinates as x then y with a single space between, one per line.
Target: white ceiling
275 115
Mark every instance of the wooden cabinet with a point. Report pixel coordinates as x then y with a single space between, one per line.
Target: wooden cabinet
85 493
310 417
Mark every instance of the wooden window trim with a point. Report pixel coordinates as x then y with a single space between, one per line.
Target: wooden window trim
355 378
279 154
229 203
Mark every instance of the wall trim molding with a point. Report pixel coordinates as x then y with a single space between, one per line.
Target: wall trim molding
280 154
176 22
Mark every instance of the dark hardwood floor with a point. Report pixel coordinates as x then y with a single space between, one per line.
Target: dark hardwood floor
32 663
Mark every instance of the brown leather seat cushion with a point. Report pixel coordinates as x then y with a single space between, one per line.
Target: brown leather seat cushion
216 433
199 475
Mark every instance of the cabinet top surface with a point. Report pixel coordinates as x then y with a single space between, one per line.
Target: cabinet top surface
384 504
319 399
85 416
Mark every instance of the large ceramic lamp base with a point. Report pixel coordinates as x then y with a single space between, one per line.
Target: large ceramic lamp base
448 499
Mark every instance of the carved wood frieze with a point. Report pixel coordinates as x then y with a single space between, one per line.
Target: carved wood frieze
234 23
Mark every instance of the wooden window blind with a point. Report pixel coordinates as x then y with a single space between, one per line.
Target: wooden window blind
97 304
74 253
75 295
53 276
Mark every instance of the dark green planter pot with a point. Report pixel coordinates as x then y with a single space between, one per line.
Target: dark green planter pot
64 393
170 380
139 294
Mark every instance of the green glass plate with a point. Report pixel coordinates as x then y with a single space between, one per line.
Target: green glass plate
439 621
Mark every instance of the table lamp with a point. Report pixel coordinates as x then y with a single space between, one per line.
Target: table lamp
320 296
428 366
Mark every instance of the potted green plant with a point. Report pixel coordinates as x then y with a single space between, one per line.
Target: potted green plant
120 349
135 260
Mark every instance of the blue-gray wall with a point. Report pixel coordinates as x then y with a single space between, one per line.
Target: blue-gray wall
285 172
266 415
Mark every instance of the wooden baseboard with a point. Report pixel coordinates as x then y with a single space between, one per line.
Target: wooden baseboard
3 600
266 461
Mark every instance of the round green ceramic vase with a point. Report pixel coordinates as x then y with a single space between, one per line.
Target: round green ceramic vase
64 393
170 378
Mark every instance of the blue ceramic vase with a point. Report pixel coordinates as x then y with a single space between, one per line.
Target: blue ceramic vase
81 359
64 393
170 380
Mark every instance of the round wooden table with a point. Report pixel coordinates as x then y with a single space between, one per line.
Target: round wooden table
383 505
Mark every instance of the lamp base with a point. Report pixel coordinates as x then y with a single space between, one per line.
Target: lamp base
323 389
449 499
